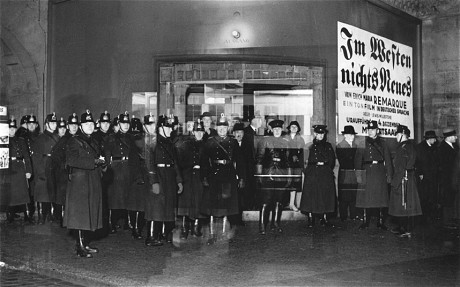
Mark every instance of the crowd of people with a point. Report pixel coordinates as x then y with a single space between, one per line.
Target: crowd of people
100 175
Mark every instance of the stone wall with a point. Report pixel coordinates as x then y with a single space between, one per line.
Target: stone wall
23 35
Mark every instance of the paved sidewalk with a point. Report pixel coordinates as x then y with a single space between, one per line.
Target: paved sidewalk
341 256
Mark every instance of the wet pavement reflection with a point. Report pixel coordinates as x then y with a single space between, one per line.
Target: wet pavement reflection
340 256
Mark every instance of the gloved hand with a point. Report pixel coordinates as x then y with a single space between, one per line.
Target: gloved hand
28 175
99 162
156 188
180 188
295 158
205 182
241 183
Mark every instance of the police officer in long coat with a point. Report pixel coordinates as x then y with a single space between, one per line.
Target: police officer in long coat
14 190
135 201
404 200
447 154
427 171
166 183
41 158
84 191
373 157
222 173
189 153
117 150
318 194
273 164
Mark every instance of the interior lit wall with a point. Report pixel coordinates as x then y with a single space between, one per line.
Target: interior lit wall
103 51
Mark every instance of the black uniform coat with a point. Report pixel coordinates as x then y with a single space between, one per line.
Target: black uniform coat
427 165
250 143
404 165
318 194
84 191
446 158
375 192
59 171
13 184
42 165
221 198
117 150
189 153
165 172
137 192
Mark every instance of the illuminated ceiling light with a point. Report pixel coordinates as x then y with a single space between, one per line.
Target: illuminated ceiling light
236 34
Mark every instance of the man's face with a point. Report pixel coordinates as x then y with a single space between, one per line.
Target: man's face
190 126
87 128
61 131
31 127
277 131
124 127
73 128
51 126
372 133
452 139
349 137
165 131
12 132
222 130
431 141
198 135
207 122
105 126
318 136
116 128
238 135
150 128
256 122
399 137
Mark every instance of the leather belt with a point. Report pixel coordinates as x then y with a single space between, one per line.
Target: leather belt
119 158
373 161
17 158
319 163
222 161
276 159
164 165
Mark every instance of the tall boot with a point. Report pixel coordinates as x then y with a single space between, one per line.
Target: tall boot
197 228
112 222
310 220
80 246
134 218
278 213
61 222
263 219
366 220
381 221
149 238
28 218
185 227
128 225
212 233
86 240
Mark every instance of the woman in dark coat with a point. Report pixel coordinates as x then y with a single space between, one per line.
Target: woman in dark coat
14 188
404 201
318 195
166 182
189 153
84 191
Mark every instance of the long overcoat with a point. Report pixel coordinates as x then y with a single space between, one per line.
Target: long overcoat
446 157
374 158
59 172
407 204
427 166
163 170
318 194
189 153
42 165
222 168
117 150
84 191
137 192
14 185
347 184
296 155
